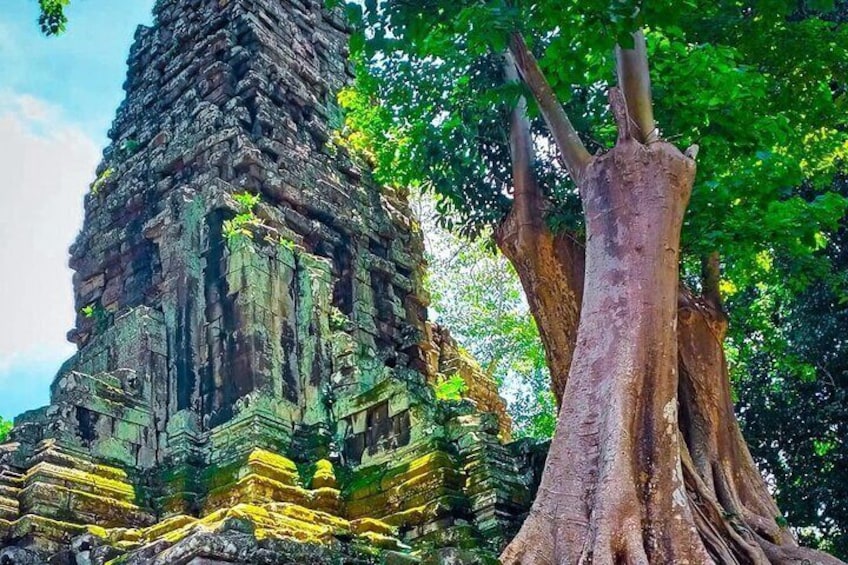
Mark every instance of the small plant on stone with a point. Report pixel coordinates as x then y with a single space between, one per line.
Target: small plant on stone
5 428
128 147
239 230
240 227
450 389
338 321
247 202
287 244
96 313
102 179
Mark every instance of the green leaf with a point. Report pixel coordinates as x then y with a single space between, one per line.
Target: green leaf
450 388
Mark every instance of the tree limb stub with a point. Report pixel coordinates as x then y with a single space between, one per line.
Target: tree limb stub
634 79
711 279
527 199
572 150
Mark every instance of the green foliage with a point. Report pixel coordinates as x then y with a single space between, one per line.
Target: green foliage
97 314
450 388
128 147
52 18
101 180
5 428
338 321
246 201
533 410
789 355
239 230
476 294
430 109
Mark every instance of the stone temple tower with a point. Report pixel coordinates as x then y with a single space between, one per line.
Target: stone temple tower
254 381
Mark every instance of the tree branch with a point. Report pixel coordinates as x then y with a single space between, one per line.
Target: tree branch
634 80
573 151
526 204
711 279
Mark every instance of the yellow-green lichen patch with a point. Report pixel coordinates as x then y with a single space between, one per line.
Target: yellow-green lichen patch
364 525
97 531
273 466
278 520
274 521
65 504
375 480
381 541
166 526
74 478
309 515
324 475
255 489
38 526
421 514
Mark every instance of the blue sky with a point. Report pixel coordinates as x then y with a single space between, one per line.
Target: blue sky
57 100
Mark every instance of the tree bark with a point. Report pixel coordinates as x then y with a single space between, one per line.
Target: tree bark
648 464
550 267
738 519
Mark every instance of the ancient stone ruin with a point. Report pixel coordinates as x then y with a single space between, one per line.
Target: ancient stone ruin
255 377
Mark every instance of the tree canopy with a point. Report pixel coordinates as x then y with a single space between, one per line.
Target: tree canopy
476 293
759 86
791 378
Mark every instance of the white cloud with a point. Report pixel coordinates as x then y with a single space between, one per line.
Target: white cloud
46 165
32 109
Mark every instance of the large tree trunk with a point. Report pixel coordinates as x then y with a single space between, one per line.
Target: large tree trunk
550 267
648 464
628 478
613 489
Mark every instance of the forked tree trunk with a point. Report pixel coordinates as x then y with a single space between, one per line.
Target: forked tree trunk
550 266
647 465
613 489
